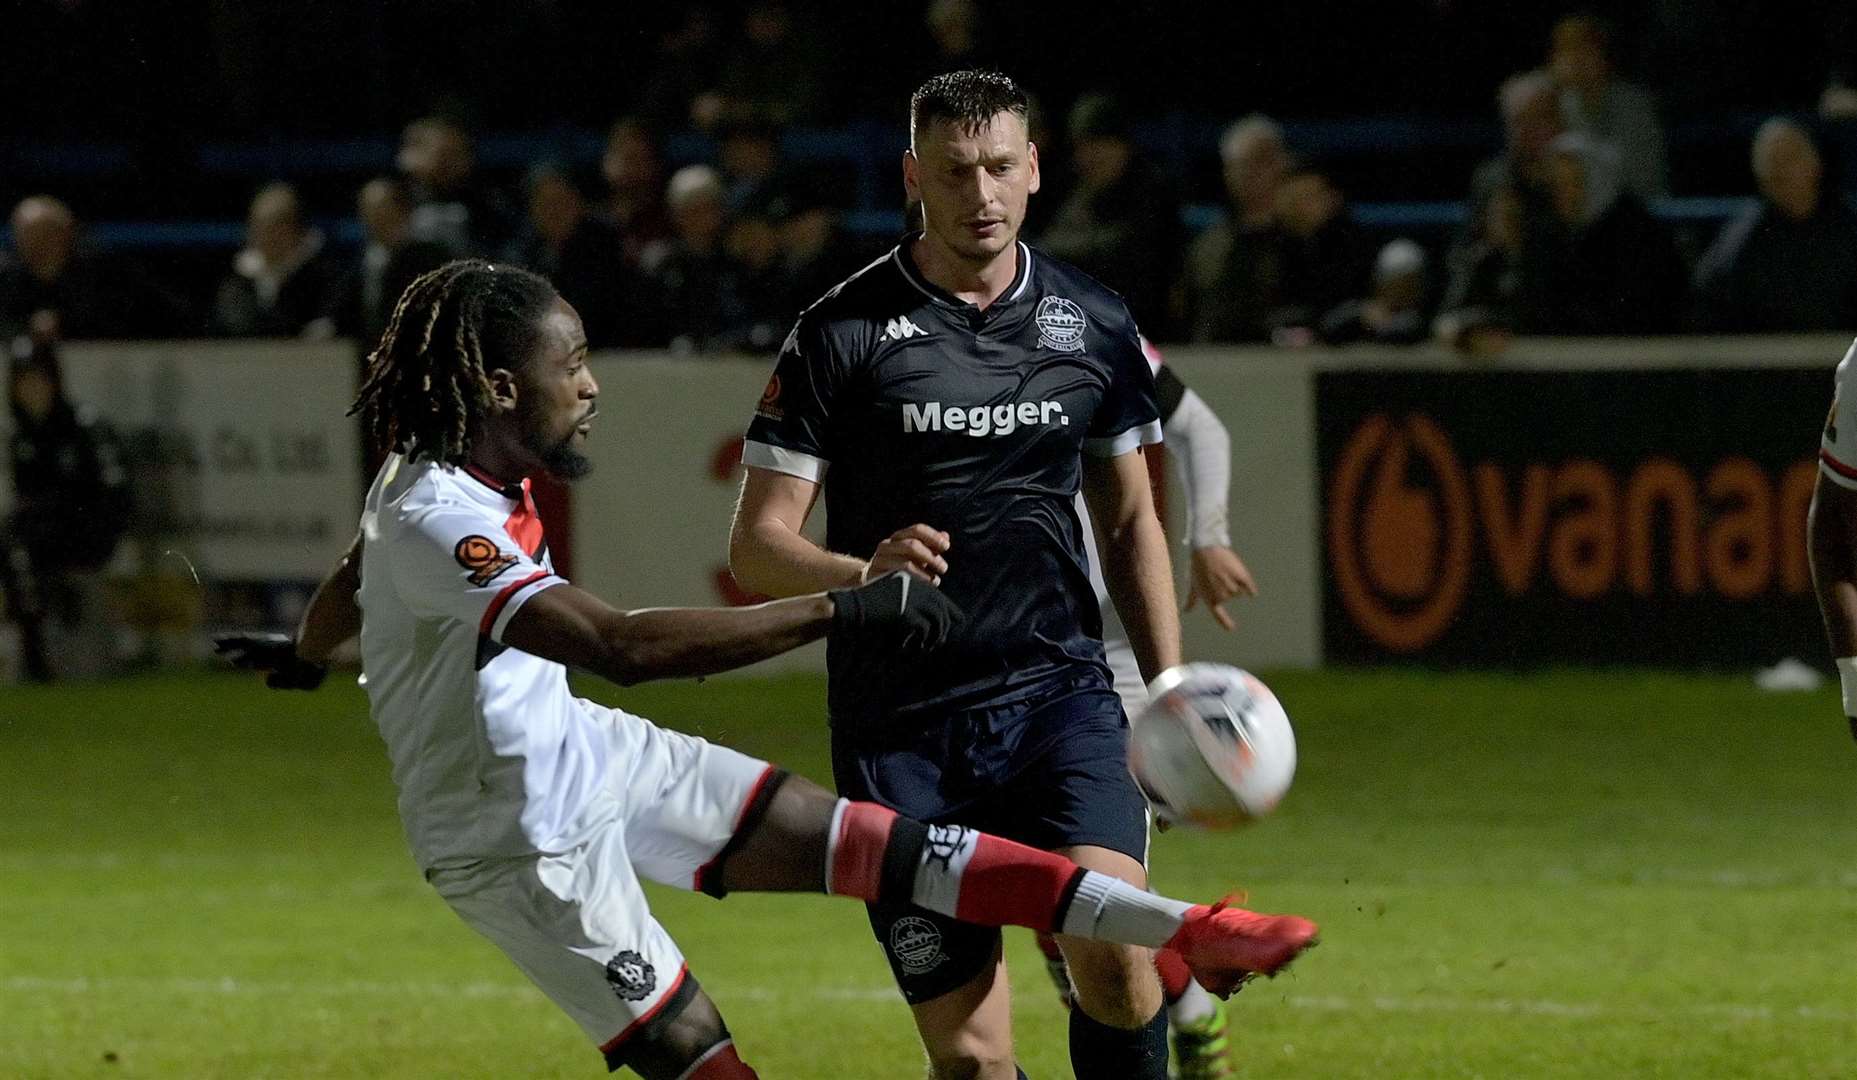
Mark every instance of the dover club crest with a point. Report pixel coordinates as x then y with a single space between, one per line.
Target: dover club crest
1060 324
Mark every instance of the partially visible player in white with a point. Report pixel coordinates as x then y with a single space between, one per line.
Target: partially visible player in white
1832 530
1200 448
536 814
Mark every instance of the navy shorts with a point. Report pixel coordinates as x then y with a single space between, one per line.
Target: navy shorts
1050 772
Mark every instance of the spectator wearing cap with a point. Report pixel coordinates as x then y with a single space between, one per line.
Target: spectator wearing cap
1593 99
577 251
1788 263
1326 258
1235 267
391 257
1607 267
1394 312
51 285
692 275
283 280
1121 223
451 205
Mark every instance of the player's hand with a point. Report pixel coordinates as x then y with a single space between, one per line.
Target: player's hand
273 654
897 603
1219 575
917 549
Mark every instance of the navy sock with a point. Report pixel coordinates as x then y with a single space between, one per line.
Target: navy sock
1021 1073
1101 1052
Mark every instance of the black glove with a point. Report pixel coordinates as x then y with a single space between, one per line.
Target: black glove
896 603
275 654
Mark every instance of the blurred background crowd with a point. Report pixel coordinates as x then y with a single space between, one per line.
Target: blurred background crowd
692 176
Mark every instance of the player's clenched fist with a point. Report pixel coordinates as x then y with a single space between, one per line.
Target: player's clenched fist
920 615
917 549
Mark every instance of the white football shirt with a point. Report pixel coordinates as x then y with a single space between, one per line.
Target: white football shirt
492 755
1837 447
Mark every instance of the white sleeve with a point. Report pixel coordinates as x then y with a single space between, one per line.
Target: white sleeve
450 563
1203 455
1837 446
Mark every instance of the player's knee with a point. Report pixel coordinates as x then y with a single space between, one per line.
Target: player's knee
668 1049
972 1058
1114 984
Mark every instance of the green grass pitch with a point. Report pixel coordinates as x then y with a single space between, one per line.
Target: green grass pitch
1564 875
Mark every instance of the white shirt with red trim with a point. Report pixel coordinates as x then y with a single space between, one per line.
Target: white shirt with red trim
492 755
1837 447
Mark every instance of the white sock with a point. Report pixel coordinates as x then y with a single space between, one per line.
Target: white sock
1109 909
1194 1006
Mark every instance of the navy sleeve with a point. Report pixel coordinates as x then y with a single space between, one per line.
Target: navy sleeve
1130 414
792 430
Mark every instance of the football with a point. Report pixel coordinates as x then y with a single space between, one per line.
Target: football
1213 748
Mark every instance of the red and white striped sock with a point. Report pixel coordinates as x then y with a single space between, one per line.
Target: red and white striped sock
873 853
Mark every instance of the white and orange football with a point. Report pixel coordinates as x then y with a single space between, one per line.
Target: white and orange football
1213 748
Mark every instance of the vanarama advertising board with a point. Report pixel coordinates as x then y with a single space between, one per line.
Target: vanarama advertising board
1525 517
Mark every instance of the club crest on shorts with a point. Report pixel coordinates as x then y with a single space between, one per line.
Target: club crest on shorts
1060 324
916 944
631 976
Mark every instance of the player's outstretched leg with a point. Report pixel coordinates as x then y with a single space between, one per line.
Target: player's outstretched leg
866 851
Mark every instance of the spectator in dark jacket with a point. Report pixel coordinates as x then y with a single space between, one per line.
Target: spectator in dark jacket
1121 224
1608 266
389 261
692 276
452 206
51 281
283 280
579 252
1788 263
70 504
1234 268
1326 257
634 172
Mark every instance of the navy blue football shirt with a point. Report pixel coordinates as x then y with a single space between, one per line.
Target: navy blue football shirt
909 406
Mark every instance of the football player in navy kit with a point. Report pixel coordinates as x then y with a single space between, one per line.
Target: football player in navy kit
951 399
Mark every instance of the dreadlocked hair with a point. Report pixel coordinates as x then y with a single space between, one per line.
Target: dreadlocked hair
428 380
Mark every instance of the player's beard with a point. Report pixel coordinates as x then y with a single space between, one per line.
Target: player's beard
558 457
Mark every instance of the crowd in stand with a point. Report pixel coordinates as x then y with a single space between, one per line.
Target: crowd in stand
719 256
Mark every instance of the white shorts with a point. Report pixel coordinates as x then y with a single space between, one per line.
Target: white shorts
1129 685
576 921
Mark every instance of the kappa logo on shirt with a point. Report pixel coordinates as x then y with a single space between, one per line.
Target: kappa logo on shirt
900 329
481 556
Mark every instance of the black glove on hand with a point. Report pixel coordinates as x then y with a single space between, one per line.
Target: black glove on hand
900 604
275 654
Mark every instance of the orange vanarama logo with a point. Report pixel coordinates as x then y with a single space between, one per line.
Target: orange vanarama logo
1409 523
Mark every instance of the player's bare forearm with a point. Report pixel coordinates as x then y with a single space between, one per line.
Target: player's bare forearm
1832 531
573 627
332 616
1135 562
770 558
768 554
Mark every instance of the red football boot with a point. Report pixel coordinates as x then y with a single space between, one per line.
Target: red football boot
1227 945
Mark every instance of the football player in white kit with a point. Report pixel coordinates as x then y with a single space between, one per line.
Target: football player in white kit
1832 530
534 813
1200 448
